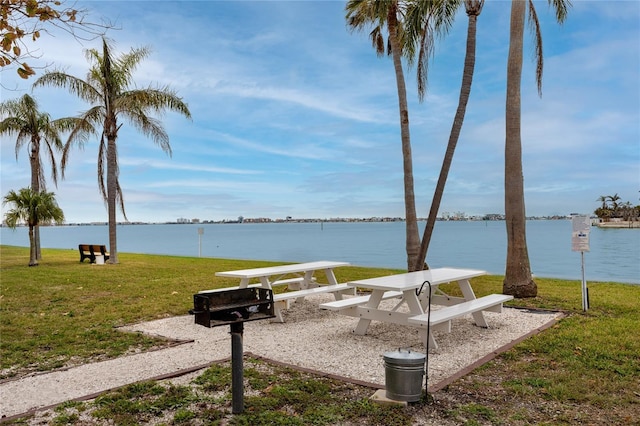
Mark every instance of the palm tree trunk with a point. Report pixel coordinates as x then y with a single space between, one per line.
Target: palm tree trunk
34 160
518 281
112 190
412 233
33 261
474 8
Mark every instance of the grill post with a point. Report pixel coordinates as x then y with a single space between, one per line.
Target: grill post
234 307
237 368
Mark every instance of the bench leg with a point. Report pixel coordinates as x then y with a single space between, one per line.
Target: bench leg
431 344
278 307
278 313
374 301
415 307
309 280
468 294
307 283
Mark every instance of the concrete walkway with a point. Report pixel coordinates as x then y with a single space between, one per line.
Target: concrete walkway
45 390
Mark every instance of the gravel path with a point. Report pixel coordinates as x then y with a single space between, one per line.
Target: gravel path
310 338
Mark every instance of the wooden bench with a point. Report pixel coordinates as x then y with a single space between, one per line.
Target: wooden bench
90 251
492 303
338 305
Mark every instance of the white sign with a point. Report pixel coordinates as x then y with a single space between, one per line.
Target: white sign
581 225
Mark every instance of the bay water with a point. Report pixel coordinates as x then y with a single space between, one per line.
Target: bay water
614 253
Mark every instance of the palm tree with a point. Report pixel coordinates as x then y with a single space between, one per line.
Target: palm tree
603 199
107 89
363 13
518 280
473 9
614 201
33 208
37 131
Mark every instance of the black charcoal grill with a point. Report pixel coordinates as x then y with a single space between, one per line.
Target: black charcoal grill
234 308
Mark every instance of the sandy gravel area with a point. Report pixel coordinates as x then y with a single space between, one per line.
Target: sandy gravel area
310 338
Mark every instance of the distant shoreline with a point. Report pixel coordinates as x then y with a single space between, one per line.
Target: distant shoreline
611 224
492 218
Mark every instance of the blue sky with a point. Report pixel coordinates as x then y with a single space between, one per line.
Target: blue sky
294 115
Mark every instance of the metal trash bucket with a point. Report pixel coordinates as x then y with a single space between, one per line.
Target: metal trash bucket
403 375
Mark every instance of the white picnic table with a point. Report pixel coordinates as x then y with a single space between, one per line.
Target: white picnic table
299 277
405 287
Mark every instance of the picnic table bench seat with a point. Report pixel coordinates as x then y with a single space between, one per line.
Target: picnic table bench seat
338 305
293 284
332 288
90 251
492 303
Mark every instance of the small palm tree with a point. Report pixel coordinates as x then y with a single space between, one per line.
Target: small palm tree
107 89
36 131
32 208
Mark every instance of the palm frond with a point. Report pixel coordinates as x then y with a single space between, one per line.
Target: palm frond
151 128
152 99
75 85
378 41
80 129
17 126
127 63
102 161
120 198
561 8
534 26
425 21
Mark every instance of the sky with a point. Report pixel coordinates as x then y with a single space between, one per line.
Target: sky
294 115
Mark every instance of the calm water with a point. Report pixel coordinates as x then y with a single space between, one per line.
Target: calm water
614 254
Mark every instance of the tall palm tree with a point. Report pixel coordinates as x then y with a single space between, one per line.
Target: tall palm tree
518 280
36 131
107 89
473 9
32 208
381 13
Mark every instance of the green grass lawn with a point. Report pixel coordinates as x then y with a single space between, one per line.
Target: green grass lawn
585 369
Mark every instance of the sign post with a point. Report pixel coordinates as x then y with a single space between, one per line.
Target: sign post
581 226
200 232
